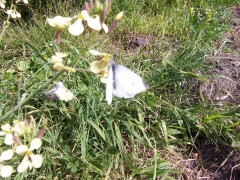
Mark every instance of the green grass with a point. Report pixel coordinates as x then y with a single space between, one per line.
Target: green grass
88 139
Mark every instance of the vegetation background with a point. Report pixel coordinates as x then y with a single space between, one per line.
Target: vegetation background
172 44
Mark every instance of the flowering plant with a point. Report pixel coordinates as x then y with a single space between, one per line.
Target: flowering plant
21 139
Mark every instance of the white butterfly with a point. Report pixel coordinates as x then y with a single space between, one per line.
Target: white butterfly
123 83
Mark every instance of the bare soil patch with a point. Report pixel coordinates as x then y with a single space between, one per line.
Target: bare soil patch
219 162
211 162
225 84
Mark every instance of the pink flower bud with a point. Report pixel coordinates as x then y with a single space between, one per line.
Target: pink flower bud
41 133
86 7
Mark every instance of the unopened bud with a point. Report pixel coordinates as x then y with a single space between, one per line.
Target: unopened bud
86 6
103 15
90 4
119 16
16 140
115 22
45 122
98 6
108 5
41 133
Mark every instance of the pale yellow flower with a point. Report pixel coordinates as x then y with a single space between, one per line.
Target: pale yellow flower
105 27
2 3
61 55
93 23
62 92
57 61
19 127
60 66
6 171
24 1
30 159
59 22
6 155
13 13
100 66
96 53
7 132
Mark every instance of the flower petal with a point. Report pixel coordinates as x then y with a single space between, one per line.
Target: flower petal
64 94
9 11
14 15
2 5
105 28
35 144
8 139
94 23
61 55
37 160
17 129
58 66
95 53
2 133
6 171
6 155
6 127
98 66
59 22
23 165
21 149
56 59
76 28
85 15
70 69
51 22
18 14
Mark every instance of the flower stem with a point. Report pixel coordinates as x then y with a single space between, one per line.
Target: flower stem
20 104
5 25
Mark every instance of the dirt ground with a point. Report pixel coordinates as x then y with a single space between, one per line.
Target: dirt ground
211 162
222 162
226 89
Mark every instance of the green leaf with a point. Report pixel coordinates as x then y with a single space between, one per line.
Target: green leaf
97 128
119 137
22 65
112 150
236 143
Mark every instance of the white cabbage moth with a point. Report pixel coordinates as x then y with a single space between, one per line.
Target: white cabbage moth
123 83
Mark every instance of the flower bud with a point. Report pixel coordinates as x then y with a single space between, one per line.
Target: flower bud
115 22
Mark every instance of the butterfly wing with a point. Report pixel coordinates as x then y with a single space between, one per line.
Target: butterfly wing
126 83
109 85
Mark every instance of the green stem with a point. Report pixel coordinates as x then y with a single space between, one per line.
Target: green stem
20 104
5 25
92 39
